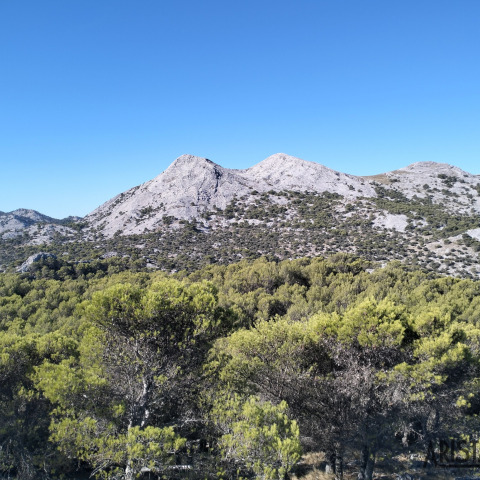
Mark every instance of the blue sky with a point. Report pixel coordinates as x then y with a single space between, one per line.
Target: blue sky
99 96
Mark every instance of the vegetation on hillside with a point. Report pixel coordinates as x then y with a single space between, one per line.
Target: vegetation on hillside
280 226
233 371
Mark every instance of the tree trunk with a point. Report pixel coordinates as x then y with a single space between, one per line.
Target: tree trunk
138 418
339 466
330 458
129 473
368 464
140 409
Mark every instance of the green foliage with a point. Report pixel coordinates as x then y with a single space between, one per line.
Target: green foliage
448 180
369 324
116 455
24 418
258 434
142 346
112 373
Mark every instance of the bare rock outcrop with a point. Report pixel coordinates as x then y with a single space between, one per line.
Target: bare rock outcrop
192 185
26 266
444 184
189 186
284 172
18 220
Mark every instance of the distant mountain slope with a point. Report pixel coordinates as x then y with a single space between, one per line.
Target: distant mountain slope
13 223
197 212
192 185
38 227
442 183
188 186
282 172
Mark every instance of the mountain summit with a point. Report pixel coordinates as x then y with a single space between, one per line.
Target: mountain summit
198 212
284 172
193 186
184 190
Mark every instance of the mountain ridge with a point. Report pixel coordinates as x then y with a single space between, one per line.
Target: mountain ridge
192 186
197 211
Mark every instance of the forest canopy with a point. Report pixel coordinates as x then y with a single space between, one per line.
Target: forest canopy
233 371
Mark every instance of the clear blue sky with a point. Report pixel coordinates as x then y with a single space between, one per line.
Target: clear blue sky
97 96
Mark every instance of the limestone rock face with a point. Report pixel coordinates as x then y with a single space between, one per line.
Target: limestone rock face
189 186
284 172
193 185
36 257
193 182
18 220
444 184
38 228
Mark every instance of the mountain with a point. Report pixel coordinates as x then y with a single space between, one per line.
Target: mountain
444 184
24 229
197 212
13 222
193 185
184 190
282 172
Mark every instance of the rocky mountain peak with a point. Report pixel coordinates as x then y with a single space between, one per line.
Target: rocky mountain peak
285 172
190 161
24 220
190 167
192 186
283 162
280 160
432 168
31 214
187 188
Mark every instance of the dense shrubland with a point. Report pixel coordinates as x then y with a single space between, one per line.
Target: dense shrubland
279 226
232 371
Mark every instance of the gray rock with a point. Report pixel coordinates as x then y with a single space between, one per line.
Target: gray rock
37 257
405 476
192 185
37 227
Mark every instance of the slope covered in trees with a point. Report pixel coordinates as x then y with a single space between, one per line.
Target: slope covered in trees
233 371
392 225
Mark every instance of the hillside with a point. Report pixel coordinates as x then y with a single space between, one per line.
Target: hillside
38 228
192 186
198 212
88 352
